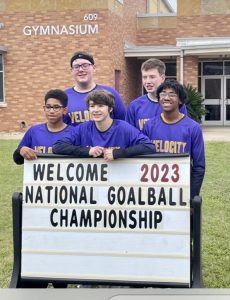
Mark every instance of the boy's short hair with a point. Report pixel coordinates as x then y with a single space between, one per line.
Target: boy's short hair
82 55
176 86
101 96
59 95
154 63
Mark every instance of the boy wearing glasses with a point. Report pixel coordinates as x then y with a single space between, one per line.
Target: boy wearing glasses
39 138
83 68
146 106
104 136
174 132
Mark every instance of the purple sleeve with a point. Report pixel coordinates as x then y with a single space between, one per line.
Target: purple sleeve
183 110
119 110
130 115
198 161
27 139
71 144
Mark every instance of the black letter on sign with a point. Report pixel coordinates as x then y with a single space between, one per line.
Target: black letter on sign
157 218
50 172
39 171
104 172
54 224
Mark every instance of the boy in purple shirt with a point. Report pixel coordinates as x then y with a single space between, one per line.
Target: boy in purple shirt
104 136
40 138
146 107
83 68
174 132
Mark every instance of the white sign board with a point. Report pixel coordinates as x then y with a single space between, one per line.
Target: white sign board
125 221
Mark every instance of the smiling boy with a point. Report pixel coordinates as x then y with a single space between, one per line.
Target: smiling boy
145 107
40 138
104 136
83 69
173 132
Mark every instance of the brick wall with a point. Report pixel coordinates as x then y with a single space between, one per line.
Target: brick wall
34 64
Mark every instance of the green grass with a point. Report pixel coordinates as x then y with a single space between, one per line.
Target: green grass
216 216
215 211
11 181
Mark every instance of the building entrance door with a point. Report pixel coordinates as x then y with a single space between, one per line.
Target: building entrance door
216 91
227 100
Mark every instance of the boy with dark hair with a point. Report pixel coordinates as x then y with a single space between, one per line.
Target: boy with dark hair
40 138
146 106
174 132
83 68
104 136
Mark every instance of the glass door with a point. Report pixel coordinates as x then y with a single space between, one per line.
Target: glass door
212 89
227 101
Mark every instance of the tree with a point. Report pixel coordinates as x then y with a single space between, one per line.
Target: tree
194 103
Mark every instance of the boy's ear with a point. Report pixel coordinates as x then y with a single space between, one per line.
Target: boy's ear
64 110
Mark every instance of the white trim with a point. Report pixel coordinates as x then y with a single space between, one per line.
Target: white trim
202 41
145 51
190 46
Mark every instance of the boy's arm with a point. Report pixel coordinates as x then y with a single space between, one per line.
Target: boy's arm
23 152
139 149
197 161
66 147
18 159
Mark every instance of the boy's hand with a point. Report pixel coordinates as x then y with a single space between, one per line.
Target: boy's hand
108 154
96 151
28 153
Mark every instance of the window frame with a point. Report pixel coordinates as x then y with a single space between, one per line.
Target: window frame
159 13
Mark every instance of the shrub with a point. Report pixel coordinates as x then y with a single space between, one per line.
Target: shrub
194 103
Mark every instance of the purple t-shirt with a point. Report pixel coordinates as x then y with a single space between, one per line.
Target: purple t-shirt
39 138
143 109
120 134
77 109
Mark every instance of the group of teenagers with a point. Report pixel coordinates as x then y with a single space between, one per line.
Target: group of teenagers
91 120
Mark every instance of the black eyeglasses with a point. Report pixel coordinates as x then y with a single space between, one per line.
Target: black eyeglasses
84 67
54 107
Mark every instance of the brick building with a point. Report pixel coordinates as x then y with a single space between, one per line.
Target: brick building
37 39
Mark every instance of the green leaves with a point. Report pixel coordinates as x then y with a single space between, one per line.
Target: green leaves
194 103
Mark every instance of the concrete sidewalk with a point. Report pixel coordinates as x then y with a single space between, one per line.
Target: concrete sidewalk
210 133
216 133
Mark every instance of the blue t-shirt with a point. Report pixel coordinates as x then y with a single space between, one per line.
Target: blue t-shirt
143 109
78 111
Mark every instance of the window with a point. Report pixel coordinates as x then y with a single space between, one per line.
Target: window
117 80
213 68
162 7
170 70
1 79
